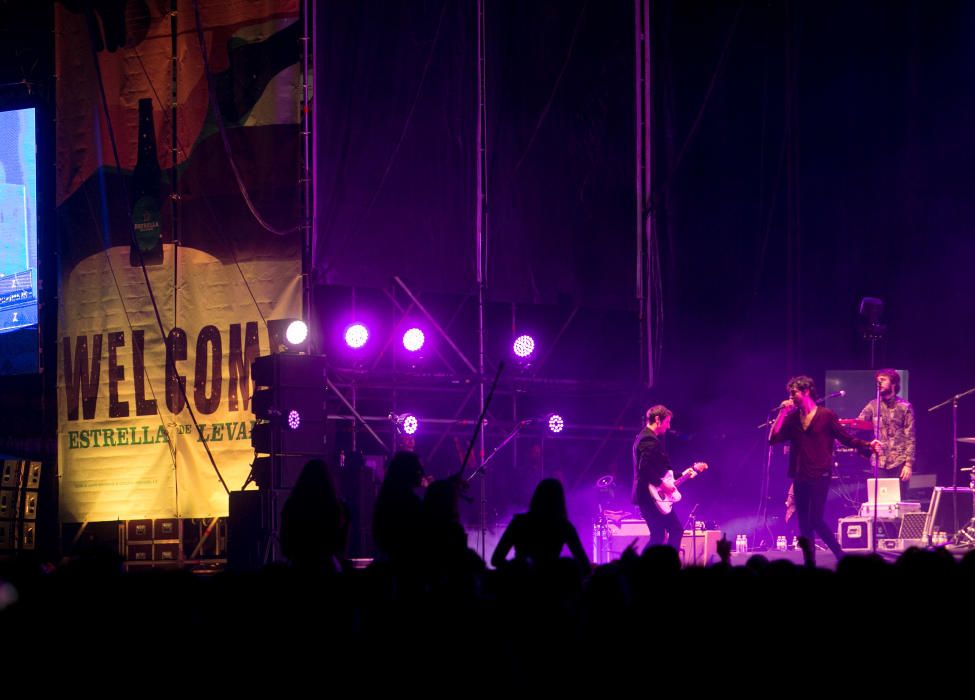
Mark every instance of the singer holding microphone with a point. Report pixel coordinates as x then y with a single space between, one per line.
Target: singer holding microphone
810 430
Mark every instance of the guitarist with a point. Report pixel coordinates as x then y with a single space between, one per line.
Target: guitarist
651 466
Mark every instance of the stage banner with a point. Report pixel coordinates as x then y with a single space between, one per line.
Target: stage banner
216 208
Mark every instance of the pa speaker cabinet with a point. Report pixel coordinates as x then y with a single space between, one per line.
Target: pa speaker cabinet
246 530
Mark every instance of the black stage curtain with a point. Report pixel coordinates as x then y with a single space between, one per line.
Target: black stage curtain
397 117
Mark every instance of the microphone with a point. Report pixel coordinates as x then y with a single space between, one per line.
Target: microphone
834 395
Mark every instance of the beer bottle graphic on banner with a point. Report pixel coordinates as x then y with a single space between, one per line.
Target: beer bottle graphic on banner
146 217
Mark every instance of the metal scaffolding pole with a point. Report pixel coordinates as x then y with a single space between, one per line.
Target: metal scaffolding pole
480 227
309 141
647 262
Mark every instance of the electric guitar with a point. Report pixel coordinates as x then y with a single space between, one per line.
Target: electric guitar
665 499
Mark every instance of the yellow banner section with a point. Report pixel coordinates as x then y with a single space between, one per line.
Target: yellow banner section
128 446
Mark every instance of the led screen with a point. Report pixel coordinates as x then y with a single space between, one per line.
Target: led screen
18 241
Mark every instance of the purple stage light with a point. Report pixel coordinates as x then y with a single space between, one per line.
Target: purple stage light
413 339
524 346
410 424
356 335
294 420
555 423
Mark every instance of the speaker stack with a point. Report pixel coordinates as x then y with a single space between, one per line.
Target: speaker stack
20 482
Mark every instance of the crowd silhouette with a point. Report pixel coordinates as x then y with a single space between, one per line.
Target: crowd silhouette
428 610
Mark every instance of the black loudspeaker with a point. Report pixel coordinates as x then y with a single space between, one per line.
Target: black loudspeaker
278 471
93 539
245 530
20 482
290 404
951 509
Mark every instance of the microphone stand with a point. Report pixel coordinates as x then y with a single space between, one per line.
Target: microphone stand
692 518
953 401
762 514
508 438
774 413
479 470
875 460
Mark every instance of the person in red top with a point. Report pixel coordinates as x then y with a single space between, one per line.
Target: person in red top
811 430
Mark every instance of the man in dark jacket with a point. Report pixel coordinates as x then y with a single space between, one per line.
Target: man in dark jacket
651 466
810 430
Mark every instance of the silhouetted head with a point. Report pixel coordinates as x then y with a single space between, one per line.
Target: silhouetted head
313 520
314 480
548 501
404 471
441 502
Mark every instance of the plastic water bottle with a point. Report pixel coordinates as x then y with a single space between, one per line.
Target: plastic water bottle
780 543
